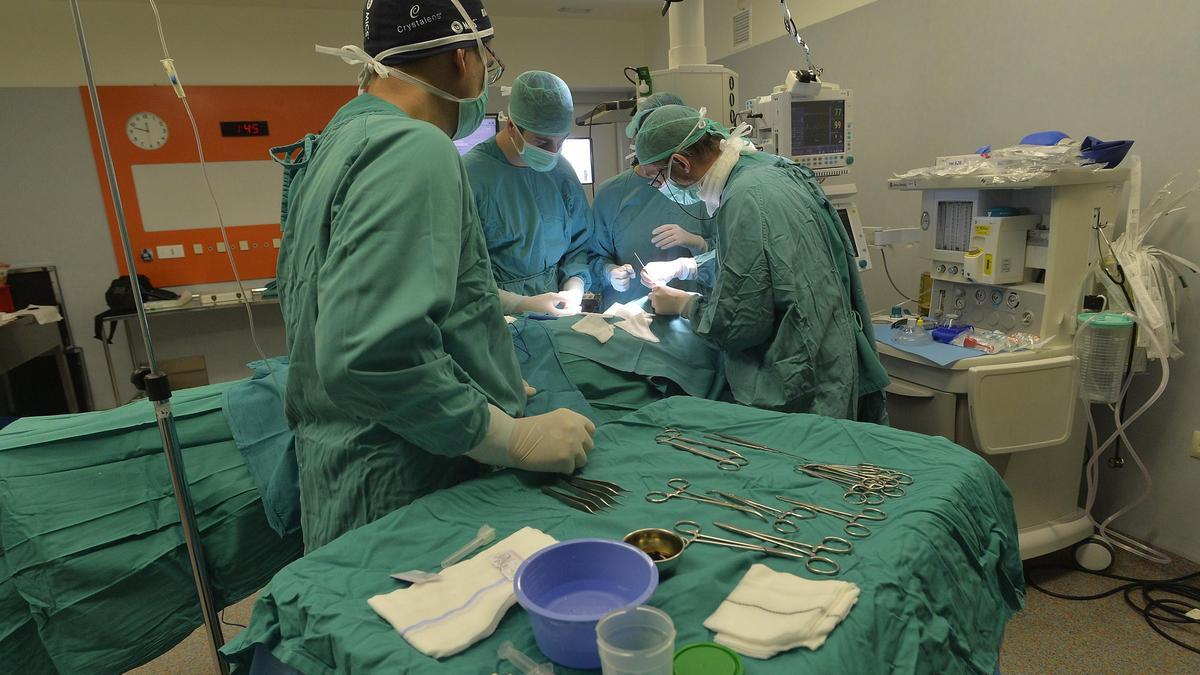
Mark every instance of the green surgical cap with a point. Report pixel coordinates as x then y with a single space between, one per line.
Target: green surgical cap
541 103
670 129
647 106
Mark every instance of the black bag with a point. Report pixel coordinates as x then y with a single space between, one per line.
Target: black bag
119 298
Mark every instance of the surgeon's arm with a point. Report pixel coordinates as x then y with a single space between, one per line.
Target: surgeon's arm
388 282
739 313
579 228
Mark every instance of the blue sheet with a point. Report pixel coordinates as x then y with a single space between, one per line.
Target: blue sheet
935 352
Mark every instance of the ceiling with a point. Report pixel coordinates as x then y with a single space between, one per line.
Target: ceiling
606 9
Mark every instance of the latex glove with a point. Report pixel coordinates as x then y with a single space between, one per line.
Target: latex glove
668 301
554 304
672 235
573 289
659 273
557 442
529 391
620 277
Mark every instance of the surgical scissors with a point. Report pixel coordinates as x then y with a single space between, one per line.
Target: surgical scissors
717 436
853 527
783 524
860 489
689 531
816 563
679 487
733 461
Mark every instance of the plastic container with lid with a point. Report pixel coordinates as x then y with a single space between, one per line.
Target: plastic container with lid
707 658
1102 345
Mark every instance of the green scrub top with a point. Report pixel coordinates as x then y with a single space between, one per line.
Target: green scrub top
396 338
624 215
537 225
787 306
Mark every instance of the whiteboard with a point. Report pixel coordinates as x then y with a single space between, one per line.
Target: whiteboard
175 197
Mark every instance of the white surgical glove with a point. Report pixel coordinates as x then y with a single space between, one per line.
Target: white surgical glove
660 273
553 304
670 236
556 442
668 301
620 276
573 289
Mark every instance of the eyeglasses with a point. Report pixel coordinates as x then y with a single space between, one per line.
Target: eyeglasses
659 179
495 67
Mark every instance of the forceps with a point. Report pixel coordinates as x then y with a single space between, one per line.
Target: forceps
733 461
689 531
784 520
748 444
858 490
680 487
815 563
853 527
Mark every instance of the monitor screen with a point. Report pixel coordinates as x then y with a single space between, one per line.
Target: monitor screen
483 133
578 152
844 215
818 127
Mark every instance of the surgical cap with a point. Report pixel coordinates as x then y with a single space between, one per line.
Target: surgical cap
647 106
670 129
541 103
390 24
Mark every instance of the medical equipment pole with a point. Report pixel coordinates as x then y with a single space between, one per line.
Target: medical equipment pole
158 390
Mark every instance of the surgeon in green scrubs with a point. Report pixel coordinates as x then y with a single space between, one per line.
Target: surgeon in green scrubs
403 377
535 214
787 307
631 221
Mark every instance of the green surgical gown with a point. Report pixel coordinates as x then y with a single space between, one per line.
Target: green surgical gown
624 215
787 307
396 338
537 225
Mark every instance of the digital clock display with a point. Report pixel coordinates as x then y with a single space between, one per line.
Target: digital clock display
251 128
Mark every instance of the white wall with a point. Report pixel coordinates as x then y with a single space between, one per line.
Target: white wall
766 21
939 77
53 211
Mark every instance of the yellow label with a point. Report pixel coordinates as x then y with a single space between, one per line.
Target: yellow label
983 230
987 264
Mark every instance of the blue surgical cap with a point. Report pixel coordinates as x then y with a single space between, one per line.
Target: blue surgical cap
670 129
647 106
541 103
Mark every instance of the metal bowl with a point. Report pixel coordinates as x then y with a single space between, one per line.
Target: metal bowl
663 546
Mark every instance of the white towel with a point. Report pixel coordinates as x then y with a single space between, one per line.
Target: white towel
634 320
596 326
770 612
466 605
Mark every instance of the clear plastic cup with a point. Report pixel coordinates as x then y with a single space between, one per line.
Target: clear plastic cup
636 641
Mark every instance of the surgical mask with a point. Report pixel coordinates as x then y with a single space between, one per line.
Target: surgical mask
684 196
471 111
536 158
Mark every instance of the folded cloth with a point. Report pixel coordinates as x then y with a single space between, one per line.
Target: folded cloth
442 619
634 320
596 326
770 612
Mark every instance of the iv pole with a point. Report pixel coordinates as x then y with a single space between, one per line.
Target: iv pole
157 389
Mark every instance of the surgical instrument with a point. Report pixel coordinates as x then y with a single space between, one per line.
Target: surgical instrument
860 489
732 461
570 500
599 485
690 531
598 499
748 444
853 527
815 563
783 519
679 490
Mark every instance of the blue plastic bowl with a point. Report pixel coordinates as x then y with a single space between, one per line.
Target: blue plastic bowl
568 587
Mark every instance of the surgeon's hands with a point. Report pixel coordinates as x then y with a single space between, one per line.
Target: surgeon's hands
557 442
554 304
671 235
529 391
573 290
668 301
656 274
620 277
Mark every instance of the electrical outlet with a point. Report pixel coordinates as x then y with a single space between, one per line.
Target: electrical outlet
198 249
169 252
220 247
1196 444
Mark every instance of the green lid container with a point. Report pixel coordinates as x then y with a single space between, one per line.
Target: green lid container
1105 320
707 658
